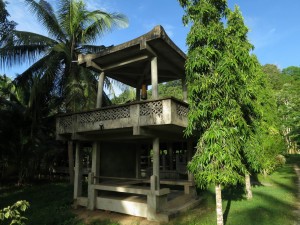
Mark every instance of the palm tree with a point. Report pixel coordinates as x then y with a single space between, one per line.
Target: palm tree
71 30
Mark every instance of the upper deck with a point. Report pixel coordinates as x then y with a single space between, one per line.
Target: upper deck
133 117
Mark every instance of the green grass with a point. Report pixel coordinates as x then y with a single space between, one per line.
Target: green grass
273 203
50 204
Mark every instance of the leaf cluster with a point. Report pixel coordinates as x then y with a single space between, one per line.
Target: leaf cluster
13 213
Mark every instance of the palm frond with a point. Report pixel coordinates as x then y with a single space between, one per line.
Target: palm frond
24 47
45 14
49 66
97 22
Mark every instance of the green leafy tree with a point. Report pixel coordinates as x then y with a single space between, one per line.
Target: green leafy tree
289 107
258 104
285 85
265 144
220 97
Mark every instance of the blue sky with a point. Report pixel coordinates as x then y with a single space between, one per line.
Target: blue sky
274 25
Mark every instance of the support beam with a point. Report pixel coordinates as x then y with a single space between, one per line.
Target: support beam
154 78
100 90
78 172
96 160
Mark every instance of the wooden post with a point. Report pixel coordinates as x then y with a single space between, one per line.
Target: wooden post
100 90
78 172
96 159
154 78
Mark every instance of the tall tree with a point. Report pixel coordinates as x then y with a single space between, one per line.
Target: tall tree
289 107
285 85
220 98
71 30
6 26
258 105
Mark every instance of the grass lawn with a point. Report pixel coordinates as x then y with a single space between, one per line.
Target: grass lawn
273 203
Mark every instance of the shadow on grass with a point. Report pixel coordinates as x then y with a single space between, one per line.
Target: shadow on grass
232 193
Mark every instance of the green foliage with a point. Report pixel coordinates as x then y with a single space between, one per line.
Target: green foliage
53 83
71 29
126 96
285 85
6 26
169 89
49 204
219 78
13 213
25 127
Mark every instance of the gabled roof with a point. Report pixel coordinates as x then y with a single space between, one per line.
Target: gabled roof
129 62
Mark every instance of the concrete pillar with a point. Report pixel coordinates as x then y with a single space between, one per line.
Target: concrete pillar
100 90
96 160
92 192
137 162
184 90
78 172
155 177
154 78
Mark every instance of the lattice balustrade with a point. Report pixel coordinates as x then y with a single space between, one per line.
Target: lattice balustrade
104 114
182 110
150 108
66 124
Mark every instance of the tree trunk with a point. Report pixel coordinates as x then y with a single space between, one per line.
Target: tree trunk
71 161
219 209
248 187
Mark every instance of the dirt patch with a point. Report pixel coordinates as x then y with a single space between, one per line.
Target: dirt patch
88 216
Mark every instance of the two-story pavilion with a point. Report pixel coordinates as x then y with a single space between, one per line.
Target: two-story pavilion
130 173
